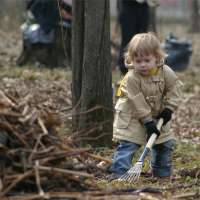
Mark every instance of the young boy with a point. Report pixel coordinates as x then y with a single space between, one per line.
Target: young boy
149 91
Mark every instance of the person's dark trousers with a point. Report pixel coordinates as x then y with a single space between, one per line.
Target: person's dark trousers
133 19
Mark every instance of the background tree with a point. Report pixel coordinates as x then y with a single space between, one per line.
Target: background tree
91 72
194 16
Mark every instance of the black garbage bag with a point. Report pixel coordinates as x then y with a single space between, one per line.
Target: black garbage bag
178 52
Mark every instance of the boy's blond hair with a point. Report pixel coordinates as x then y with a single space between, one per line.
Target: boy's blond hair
144 44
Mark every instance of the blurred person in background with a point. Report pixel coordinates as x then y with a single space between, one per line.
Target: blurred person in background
42 30
133 18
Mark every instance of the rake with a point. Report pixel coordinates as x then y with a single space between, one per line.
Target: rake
134 172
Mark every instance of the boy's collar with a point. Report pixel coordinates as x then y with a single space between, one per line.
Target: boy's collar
153 71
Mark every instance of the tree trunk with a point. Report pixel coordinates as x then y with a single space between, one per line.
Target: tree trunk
194 17
77 57
91 84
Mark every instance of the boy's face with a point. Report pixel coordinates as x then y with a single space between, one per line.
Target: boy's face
144 64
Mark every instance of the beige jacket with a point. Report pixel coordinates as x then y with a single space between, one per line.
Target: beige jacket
142 98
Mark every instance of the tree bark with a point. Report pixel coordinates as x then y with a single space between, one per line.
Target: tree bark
77 57
92 82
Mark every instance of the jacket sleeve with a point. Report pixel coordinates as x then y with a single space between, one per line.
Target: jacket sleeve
131 89
173 89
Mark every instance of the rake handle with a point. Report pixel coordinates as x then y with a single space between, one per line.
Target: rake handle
154 136
150 142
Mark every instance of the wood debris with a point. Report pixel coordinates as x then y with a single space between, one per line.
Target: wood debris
40 161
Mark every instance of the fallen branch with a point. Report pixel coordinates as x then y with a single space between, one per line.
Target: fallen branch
41 123
15 182
37 177
65 171
189 194
7 126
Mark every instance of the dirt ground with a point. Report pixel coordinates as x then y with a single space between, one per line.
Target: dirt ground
52 84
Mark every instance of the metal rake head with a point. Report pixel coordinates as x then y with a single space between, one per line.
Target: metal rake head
133 173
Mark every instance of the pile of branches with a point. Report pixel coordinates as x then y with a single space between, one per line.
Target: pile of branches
38 160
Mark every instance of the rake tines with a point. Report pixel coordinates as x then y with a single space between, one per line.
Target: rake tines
133 173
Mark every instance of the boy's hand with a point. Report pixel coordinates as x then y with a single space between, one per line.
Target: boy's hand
166 114
151 128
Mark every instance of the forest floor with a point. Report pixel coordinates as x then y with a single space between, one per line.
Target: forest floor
55 85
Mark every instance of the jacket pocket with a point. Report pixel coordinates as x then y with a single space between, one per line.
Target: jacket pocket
122 114
122 120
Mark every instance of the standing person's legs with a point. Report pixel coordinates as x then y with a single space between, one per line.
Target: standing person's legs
123 156
144 15
128 30
162 159
133 19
